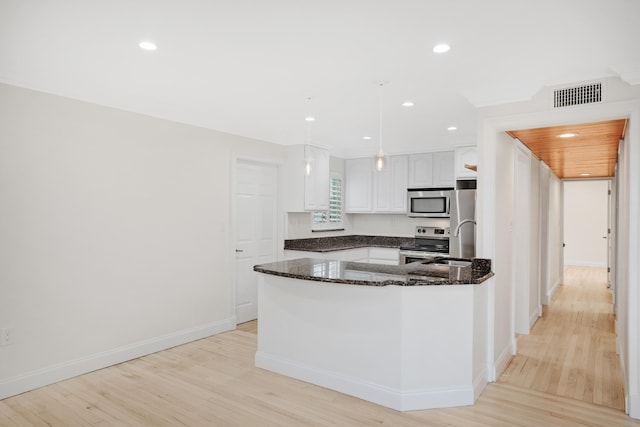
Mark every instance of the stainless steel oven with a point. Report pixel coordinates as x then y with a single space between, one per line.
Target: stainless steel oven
430 242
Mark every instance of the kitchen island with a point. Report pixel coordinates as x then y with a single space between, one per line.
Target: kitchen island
407 337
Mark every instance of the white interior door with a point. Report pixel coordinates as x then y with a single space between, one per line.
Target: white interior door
256 204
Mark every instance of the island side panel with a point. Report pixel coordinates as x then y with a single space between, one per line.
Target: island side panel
437 346
343 337
402 347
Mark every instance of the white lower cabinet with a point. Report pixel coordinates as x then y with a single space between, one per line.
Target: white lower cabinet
389 256
291 254
356 254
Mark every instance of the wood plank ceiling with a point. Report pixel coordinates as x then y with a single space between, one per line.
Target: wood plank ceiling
591 153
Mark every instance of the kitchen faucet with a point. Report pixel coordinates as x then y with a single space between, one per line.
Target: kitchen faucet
464 221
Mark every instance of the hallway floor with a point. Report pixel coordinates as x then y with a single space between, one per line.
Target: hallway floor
570 351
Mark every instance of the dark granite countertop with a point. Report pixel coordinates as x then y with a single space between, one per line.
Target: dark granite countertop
339 243
422 273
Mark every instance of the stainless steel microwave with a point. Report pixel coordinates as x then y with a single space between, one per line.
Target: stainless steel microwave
428 202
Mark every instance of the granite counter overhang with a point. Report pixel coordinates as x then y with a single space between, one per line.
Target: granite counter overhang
339 243
420 273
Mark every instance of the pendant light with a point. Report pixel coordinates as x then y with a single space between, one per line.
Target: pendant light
308 160
381 158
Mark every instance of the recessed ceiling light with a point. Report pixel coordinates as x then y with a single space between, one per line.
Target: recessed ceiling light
366 137
452 128
147 45
407 104
568 135
310 119
585 174
441 48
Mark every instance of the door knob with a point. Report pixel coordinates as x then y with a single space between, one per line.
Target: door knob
239 250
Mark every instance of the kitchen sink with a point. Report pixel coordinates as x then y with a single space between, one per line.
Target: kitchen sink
452 262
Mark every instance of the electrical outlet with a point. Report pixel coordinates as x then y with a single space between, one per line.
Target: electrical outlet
6 336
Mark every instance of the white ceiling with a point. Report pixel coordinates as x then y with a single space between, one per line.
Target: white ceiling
247 67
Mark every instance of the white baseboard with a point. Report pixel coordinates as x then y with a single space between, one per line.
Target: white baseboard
585 264
533 318
553 289
502 361
51 374
381 395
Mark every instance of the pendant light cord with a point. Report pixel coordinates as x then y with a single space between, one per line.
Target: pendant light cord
380 119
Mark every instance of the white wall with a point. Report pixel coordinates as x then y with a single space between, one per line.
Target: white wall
114 235
522 237
504 339
585 222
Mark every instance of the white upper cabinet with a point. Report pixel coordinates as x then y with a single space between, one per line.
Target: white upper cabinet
370 191
443 169
390 186
358 185
421 170
429 170
316 184
304 192
466 157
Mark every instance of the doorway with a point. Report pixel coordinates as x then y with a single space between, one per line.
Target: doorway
586 217
256 231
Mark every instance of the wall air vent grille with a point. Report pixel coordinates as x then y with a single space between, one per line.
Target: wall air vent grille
585 94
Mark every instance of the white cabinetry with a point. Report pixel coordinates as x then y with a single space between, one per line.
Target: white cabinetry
432 170
390 186
390 256
358 185
421 170
466 156
369 191
306 192
443 169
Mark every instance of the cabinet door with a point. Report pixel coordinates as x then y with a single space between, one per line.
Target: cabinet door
382 188
316 185
399 183
444 169
389 256
466 156
358 185
421 170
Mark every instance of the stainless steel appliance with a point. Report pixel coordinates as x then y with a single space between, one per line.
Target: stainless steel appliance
462 243
429 242
428 202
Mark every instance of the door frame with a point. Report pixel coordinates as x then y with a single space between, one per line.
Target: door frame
489 127
267 161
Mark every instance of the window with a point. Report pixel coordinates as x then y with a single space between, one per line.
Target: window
332 218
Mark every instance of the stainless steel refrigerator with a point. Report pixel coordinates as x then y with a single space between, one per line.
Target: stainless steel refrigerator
462 238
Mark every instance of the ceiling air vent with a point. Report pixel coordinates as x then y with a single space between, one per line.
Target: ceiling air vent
585 94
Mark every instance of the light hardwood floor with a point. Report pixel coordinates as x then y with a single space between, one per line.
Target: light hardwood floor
212 382
571 350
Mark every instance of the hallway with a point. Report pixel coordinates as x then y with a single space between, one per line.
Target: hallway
571 349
